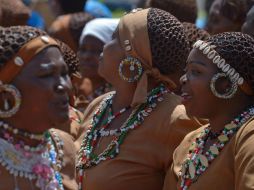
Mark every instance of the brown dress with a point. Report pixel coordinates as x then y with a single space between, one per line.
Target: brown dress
146 153
232 169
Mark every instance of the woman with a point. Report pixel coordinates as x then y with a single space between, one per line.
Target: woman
34 96
130 134
218 85
95 35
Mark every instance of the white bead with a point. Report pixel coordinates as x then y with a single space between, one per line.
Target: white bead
197 43
225 68
216 59
231 72
45 39
240 81
18 61
211 54
203 46
206 50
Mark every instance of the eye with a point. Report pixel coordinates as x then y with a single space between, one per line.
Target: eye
195 71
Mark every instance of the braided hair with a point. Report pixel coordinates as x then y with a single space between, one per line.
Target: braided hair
169 44
194 34
238 51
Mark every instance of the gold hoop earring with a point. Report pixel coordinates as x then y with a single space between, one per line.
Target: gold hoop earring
133 64
8 112
226 95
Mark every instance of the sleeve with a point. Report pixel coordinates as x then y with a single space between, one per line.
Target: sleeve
244 159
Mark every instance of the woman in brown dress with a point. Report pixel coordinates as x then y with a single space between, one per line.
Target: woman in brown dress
218 85
130 134
34 96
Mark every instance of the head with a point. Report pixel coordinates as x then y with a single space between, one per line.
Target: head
13 12
194 34
219 75
61 7
150 40
95 35
227 15
184 10
68 28
248 26
33 65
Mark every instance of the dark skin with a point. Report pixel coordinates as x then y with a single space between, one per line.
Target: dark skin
89 54
218 22
198 98
38 80
43 104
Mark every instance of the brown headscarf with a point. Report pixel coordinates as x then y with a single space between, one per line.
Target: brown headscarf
134 39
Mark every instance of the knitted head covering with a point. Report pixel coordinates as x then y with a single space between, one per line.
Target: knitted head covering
18 45
101 28
184 10
68 28
194 34
13 12
233 54
157 40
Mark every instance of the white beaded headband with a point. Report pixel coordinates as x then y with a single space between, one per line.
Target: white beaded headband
209 51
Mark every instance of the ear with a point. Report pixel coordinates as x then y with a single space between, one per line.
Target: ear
223 85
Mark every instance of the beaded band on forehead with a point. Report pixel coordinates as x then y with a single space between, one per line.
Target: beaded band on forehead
209 50
24 55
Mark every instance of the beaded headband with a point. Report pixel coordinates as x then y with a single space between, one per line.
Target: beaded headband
209 50
24 55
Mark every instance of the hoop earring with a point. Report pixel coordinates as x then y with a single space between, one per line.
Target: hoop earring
8 112
226 95
133 64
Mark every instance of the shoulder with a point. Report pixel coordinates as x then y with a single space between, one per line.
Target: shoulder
67 153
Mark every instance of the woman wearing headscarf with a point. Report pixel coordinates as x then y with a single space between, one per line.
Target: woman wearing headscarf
34 96
68 28
218 85
130 134
95 35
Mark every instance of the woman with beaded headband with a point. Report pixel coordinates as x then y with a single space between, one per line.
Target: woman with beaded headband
218 85
34 96
130 134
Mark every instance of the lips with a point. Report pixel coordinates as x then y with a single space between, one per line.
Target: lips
185 97
63 103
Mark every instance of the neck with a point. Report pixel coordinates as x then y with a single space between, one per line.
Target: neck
97 82
18 137
225 116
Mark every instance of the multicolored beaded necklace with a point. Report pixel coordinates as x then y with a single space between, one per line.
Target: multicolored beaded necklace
198 160
42 166
86 157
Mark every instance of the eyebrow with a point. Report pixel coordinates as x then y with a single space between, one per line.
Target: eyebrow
197 62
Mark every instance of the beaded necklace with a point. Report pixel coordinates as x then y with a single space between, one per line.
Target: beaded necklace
86 157
198 161
42 166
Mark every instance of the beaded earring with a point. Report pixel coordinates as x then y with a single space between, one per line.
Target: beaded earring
230 93
134 64
8 112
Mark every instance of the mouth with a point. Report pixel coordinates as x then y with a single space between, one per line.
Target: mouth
185 97
63 104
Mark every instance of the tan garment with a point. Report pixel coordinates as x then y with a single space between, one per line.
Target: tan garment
233 169
146 153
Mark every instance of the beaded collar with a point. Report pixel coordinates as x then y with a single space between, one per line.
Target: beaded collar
86 157
42 166
198 161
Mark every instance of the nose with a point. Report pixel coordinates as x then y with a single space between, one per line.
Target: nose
63 86
183 79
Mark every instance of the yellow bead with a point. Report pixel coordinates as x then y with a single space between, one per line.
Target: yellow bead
214 150
230 126
203 160
223 138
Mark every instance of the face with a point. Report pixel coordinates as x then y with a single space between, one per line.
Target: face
248 26
218 22
89 53
197 96
45 86
113 54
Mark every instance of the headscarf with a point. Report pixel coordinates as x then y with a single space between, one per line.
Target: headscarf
136 37
101 28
